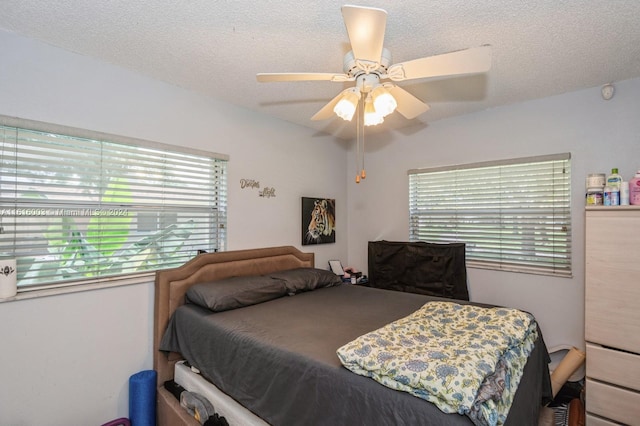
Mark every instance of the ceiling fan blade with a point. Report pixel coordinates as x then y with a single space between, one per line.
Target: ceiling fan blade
469 61
327 110
408 105
301 76
366 27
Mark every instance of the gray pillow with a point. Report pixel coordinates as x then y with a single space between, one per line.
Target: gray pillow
235 292
306 279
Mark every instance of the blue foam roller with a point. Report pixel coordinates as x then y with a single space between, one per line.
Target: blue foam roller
142 398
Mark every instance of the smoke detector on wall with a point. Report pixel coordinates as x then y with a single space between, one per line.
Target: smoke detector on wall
607 91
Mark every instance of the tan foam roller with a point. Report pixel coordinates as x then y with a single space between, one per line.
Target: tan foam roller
569 364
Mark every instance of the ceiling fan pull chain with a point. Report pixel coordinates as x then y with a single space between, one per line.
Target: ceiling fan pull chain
362 173
358 121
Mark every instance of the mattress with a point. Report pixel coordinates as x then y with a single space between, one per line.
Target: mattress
278 359
224 405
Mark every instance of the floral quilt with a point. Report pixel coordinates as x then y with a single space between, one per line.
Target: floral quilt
463 358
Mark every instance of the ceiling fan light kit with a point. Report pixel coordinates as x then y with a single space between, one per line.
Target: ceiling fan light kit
371 116
383 101
369 63
346 106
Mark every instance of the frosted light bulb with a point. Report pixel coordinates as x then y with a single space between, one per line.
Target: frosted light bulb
371 116
383 101
346 107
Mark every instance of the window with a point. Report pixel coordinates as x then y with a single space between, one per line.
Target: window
77 205
513 215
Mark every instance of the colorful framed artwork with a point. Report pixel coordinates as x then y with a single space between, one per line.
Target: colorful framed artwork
318 221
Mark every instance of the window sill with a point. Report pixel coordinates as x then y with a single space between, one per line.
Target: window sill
80 287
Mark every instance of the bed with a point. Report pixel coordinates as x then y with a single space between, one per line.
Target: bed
275 362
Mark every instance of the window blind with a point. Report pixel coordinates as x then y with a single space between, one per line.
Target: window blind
512 215
79 208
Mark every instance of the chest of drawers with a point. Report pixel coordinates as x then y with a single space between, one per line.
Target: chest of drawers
612 314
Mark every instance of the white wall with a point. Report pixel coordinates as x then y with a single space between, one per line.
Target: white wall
67 359
599 135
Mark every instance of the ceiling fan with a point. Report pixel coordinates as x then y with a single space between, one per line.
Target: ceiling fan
369 64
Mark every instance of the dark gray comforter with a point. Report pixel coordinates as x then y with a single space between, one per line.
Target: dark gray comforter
279 360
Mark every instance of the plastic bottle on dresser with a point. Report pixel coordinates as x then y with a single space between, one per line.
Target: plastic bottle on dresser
634 189
614 179
612 189
611 196
624 193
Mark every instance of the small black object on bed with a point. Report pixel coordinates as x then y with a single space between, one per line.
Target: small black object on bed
419 267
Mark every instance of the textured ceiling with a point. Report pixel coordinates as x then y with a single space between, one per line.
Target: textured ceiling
540 48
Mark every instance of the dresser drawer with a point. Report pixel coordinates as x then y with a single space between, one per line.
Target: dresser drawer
614 403
612 317
612 366
597 421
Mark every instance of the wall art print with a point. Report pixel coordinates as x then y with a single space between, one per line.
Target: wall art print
318 221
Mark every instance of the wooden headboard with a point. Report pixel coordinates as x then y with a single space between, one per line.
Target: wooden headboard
172 284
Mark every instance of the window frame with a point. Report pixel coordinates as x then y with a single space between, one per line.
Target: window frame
138 146
540 221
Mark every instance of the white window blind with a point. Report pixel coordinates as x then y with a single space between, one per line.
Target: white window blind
512 215
81 208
